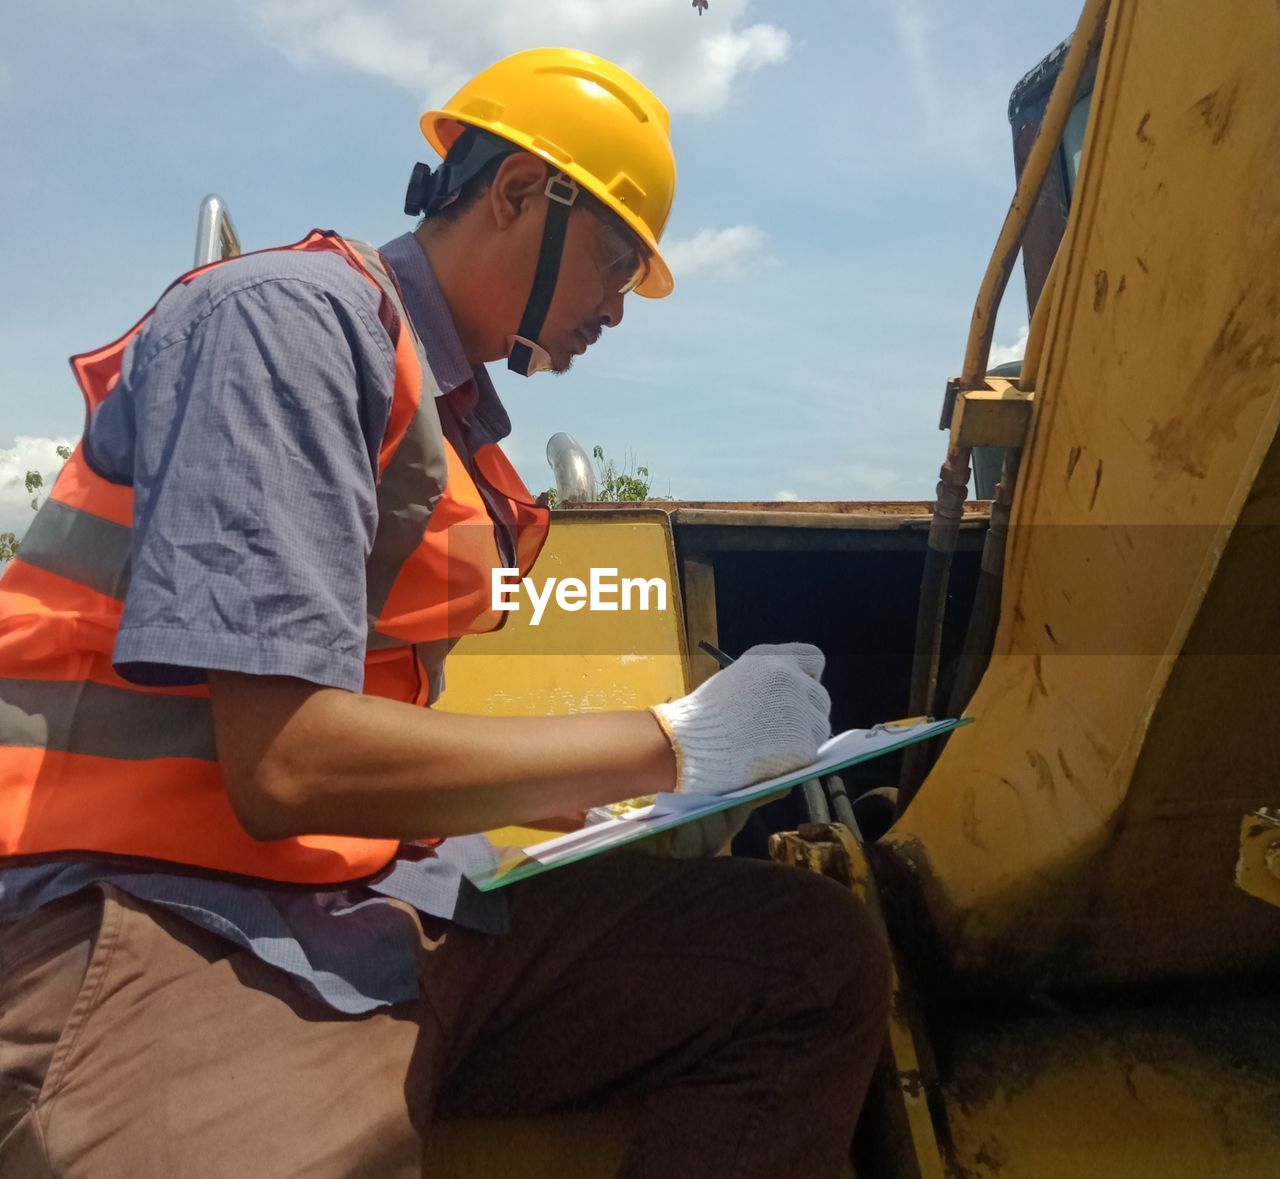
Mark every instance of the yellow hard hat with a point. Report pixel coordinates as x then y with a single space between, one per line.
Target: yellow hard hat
587 118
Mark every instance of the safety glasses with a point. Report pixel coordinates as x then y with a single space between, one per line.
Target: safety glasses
623 262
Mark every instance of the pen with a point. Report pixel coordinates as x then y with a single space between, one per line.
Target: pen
719 656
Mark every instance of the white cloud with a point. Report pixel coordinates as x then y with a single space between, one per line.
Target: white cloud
957 106
724 56
1003 354
26 454
431 49
714 251
314 32
786 497
915 28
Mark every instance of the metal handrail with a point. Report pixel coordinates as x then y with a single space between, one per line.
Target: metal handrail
1084 42
216 237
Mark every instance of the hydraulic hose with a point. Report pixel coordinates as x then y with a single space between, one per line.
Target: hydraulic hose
979 639
815 801
944 532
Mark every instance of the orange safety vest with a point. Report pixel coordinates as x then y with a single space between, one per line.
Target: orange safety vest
90 763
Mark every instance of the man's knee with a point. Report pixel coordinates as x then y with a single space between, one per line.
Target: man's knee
842 947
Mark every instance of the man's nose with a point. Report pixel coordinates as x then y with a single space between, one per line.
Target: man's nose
611 309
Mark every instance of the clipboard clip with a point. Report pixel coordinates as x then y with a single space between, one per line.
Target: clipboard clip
898 726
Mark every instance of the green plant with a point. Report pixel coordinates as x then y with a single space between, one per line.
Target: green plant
628 485
33 482
620 486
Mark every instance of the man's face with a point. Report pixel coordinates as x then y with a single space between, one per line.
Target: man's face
602 261
490 257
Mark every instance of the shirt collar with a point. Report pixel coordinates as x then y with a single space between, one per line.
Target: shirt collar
477 401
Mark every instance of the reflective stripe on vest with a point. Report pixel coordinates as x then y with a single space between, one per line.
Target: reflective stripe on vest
90 763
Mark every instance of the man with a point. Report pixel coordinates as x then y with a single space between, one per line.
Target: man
236 935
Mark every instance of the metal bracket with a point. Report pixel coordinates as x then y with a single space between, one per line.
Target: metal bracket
562 188
1258 869
998 415
949 395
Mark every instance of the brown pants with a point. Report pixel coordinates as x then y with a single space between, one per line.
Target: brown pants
741 1003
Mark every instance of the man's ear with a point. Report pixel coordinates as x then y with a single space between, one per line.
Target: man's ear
520 181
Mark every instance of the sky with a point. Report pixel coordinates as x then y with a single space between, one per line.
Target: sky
843 171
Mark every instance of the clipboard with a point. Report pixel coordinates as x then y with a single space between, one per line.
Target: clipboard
671 810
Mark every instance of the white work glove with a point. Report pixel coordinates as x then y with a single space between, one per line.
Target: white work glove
762 716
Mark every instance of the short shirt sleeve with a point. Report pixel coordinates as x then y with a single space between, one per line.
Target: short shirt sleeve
248 419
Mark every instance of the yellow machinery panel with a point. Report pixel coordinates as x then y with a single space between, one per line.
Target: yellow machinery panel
580 660
1085 830
572 661
1031 1087
1150 1093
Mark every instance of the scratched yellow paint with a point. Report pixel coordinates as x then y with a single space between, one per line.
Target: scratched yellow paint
581 661
1109 766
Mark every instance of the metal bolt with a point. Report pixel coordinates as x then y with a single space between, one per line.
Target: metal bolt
1272 857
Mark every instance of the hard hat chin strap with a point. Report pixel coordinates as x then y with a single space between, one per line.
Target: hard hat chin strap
526 356
430 191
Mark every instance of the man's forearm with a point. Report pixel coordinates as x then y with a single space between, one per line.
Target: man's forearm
304 760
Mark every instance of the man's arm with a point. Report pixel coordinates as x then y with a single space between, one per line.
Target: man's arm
300 759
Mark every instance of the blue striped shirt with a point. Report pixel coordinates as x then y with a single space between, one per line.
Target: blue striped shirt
248 419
